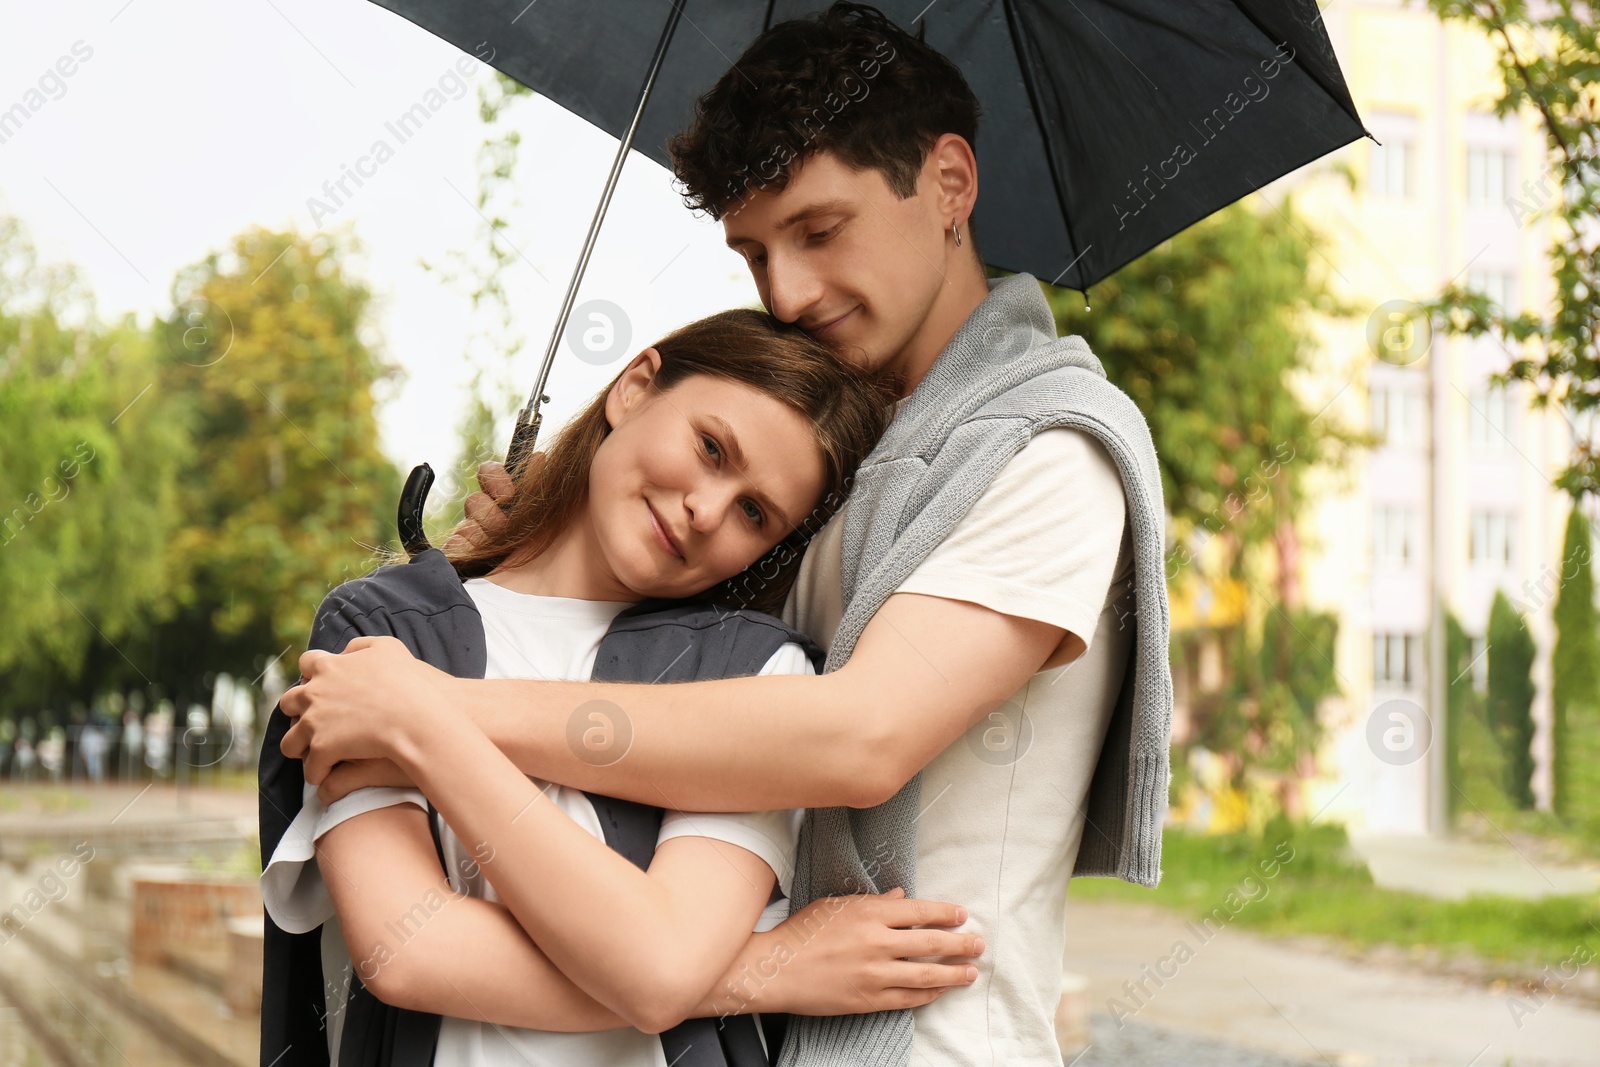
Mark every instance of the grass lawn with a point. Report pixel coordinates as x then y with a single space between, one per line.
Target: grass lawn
1306 880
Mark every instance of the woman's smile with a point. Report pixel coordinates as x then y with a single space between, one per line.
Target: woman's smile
662 537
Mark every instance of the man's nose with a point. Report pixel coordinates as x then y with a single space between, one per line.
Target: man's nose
792 288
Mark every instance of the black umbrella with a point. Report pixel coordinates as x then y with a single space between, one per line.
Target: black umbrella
1108 125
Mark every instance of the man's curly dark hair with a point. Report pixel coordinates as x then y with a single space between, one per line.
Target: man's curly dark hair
846 81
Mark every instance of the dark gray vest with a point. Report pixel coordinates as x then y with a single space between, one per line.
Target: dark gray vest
424 605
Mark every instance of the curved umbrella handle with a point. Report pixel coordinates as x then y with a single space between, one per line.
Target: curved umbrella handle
412 500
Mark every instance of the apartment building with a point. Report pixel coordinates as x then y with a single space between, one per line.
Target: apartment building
1457 499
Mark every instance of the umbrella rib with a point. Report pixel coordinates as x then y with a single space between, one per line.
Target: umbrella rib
1026 70
1340 94
1113 44
731 64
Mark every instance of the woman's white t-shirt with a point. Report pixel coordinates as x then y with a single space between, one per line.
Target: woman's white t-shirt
527 636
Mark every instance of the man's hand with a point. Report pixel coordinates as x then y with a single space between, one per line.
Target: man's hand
371 701
485 511
847 955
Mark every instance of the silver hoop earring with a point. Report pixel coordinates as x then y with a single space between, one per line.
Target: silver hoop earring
956 229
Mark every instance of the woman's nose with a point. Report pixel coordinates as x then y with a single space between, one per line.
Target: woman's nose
709 502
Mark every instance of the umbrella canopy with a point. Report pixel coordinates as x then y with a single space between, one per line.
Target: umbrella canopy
1108 125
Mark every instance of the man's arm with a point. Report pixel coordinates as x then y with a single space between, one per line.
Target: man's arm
925 669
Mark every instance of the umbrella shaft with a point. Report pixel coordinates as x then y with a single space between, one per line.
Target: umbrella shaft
529 413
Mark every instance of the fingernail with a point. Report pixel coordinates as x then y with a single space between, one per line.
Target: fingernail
978 944
961 915
972 974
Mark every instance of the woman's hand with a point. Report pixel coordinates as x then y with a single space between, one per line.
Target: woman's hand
374 700
349 775
847 955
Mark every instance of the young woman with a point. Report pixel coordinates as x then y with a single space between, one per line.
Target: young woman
695 476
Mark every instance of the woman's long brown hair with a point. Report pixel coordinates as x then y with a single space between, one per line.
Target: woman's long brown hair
848 410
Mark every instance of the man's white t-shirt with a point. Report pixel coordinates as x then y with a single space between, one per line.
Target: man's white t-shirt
528 636
1003 805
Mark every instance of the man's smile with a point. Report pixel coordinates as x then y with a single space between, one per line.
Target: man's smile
818 331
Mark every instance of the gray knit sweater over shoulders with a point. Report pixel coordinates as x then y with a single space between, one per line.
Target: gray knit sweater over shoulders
1004 377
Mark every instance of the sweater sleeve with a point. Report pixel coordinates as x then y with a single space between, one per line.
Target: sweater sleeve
1043 541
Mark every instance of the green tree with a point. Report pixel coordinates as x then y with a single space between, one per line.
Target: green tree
1205 333
1510 705
88 465
1266 714
287 492
1476 766
1548 56
1575 675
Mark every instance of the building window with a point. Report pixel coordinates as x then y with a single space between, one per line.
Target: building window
1396 660
1393 536
1396 415
1389 168
1489 421
1493 538
1498 285
1491 176
1478 665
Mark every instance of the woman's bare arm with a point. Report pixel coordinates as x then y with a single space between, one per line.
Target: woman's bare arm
416 944
469 958
646 944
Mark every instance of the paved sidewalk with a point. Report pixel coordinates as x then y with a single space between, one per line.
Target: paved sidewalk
1287 1000
1136 1044
25 807
1453 869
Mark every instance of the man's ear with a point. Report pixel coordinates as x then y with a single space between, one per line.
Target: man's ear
633 386
954 169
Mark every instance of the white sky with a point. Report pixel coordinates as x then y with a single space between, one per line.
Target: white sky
192 121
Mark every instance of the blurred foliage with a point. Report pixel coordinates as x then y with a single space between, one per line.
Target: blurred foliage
1511 692
180 496
1208 333
1477 771
1548 56
288 491
1266 713
1575 673
82 554
479 272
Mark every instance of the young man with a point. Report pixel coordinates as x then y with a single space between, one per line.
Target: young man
992 592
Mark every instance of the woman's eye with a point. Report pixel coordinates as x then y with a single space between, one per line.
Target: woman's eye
711 446
754 512
823 235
